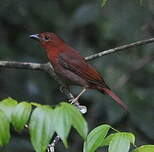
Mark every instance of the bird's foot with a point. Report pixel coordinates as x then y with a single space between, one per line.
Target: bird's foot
83 109
74 101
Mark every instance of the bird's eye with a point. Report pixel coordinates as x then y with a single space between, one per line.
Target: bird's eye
46 38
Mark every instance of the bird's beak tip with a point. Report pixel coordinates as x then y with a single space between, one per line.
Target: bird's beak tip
35 36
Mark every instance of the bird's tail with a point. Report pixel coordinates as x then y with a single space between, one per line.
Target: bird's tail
113 96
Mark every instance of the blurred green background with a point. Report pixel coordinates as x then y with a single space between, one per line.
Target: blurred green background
89 28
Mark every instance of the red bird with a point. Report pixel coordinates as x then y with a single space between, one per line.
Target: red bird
71 67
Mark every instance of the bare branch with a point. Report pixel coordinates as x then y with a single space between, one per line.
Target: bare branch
22 65
120 48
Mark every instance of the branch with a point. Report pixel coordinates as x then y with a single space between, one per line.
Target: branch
120 48
22 65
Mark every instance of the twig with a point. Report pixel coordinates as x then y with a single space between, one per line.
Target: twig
120 48
49 69
22 65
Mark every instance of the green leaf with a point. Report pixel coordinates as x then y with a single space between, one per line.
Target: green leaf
95 138
121 142
104 2
129 136
20 115
145 148
7 105
63 122
35 104
107 140
41 127
78 121
4 129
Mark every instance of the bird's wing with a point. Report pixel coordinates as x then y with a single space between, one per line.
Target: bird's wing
77 64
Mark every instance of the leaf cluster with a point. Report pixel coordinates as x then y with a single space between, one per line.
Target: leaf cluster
43 121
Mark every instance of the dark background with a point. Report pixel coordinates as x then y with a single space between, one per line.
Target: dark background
89 28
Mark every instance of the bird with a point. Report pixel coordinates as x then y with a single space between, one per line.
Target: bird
71 67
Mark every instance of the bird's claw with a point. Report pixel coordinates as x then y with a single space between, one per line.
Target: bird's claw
73 100
82 109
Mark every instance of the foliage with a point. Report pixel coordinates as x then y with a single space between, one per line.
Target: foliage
45 120
145 148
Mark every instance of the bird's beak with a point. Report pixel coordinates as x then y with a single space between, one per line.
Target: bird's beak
35 36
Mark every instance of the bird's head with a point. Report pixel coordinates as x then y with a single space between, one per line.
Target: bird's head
48 40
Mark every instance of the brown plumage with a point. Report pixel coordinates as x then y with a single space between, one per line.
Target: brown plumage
71 67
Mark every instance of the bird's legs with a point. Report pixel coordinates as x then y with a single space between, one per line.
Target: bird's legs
77 98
